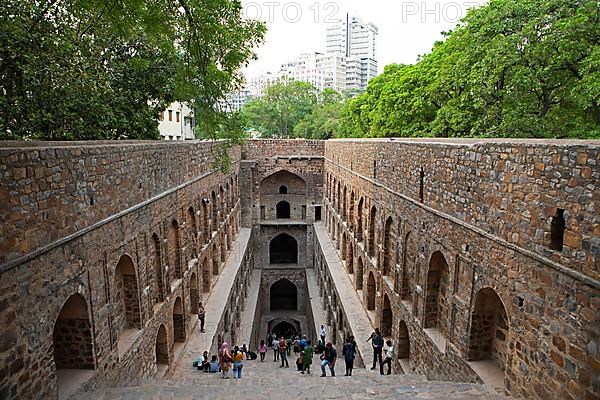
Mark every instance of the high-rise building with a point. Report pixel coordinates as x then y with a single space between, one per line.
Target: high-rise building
347 65
355 40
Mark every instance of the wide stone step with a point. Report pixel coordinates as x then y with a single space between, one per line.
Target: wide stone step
365 386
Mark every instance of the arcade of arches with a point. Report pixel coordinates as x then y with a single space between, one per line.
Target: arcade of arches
490 279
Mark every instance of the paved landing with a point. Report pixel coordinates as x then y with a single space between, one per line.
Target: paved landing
267 381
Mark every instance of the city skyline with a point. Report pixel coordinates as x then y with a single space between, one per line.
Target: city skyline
406 29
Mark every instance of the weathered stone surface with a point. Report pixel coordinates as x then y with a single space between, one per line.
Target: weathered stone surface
450 246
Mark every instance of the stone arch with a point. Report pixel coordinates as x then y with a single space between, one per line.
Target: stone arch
387 317
389 238
359 220
344 204
159 287
282 326
294 184
403 341
205 275
214 211
228 197
72 343
372 222
406 285
194 294
371 291
193 225
161 348
360 267
222 202
215 259
344 243
205 221
283 249
174 249
126 293
283 295
333 332
351 206
178 321
223 246
283 189
436 292
488 338
282 209
230 235
350 258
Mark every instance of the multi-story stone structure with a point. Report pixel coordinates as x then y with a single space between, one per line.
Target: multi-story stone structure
478 258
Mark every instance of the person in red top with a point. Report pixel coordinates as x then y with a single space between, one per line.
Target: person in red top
283 352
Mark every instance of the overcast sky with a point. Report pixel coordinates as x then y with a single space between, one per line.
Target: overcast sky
407 29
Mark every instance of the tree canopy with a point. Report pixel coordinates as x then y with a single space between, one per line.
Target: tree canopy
86 69
511 68
282 107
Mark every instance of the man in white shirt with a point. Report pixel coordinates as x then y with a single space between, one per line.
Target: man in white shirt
389 356
323 333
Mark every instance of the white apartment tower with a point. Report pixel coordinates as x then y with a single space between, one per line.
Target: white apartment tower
355 40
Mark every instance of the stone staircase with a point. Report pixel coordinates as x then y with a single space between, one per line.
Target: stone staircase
267 381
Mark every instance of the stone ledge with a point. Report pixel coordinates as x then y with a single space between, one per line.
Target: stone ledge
358 320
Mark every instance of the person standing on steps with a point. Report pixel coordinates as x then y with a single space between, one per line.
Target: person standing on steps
201 314
225 359
389 356
275 346
349 352
307 357
323 333
283 352
377 343
328 359
262 350
238 356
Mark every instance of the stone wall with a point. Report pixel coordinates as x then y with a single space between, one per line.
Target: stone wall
72 344
260 149
485 208
293 158
66 244
53 190
509 189
434 229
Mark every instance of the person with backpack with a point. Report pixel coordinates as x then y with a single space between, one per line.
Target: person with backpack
302 343
349 352
377 343
225 359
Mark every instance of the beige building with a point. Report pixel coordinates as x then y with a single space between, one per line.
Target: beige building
176 123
